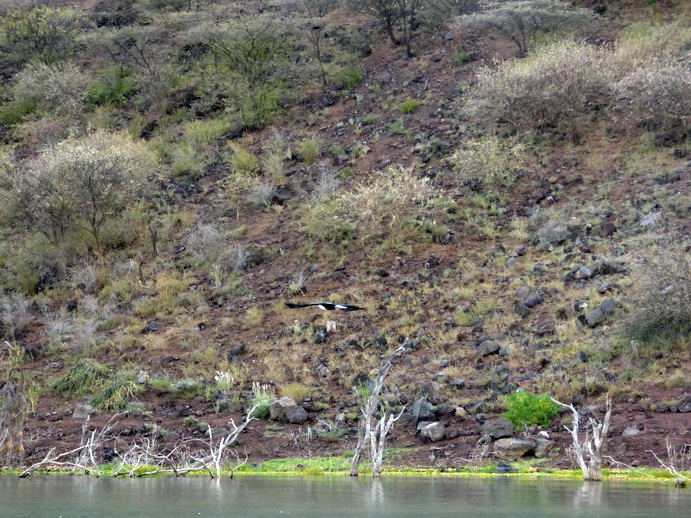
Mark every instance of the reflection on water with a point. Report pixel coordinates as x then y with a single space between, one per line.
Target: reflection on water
72 497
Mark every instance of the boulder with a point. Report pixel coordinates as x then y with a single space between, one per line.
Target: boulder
632 431
434 432
533 299
498 428
430 390
277 410
652 220
513 449
684 406
83 410
296 414
594 317
543 448
422 411
504 468
488 347
323 370
608 305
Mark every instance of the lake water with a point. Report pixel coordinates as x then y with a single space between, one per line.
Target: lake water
395 497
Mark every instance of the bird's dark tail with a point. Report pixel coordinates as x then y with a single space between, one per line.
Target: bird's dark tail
296 306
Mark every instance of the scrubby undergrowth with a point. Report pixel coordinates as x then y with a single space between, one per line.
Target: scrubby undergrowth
516 209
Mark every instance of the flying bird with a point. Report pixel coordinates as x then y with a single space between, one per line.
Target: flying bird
325 306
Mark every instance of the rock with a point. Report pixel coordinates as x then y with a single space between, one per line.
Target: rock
505 467
488 347
430 390
461 412
533 299
651 220
434 432
83 410
684 406
173 437
72 305
448 36
151 327
522 310
422 411
513 449
543 448
277 410
522 292
498 428
604 287
608 305
555 234
323 370
110 453
583 356
458 383
632 431
296 414
607 228
320 337
584 272
142 377
594 317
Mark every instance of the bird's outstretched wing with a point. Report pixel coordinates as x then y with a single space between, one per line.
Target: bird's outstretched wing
329 306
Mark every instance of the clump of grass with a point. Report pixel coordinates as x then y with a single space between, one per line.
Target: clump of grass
310 151
461 57
409 106
298 391
187 387
84 377
525 409
492 161
349 78
241 160
397 127
262 398
116 394
161 384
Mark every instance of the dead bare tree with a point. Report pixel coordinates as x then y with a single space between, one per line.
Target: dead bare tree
13 410
371 431
590 447
84 455
678 461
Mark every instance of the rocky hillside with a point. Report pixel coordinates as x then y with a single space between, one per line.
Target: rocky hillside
510 200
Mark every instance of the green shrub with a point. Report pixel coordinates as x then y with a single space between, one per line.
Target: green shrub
491 160
187 387
397 127
241 160
348 78
310 151
525 409
262 398
116 394
59 89
161 384
661 305
409 106
202 132
84 377
14 112
557 86
461 57
115 86
297 391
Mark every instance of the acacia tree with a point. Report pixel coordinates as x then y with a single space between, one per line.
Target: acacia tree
78 183
523 20
42 34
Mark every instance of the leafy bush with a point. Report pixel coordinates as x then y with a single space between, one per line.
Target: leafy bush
42 34
552 87
409 106
461 57
657 94
78 183
525 409
116 394
57 89
490 160
524 20
15 317
297 391
84 377
187 387
116 85
161 384
262 398
661 308
349 78
241 160
310 151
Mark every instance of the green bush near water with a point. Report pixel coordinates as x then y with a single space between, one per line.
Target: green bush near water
525 409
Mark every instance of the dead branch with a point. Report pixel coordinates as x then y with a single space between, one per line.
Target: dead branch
592 447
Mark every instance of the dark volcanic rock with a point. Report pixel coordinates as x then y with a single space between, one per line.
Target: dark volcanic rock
488 347
498 428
